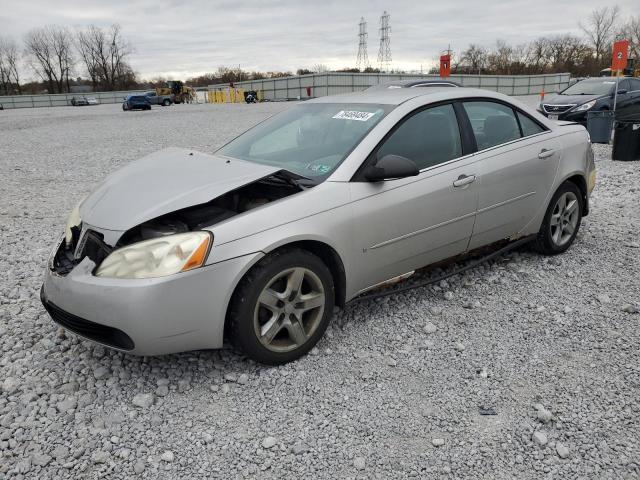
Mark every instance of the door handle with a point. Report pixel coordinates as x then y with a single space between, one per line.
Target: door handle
464 180
546 153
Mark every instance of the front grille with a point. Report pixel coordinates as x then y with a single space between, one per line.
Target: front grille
93 331
556 108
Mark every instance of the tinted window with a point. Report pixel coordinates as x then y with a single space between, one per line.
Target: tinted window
529 127
624 85
428 137
635 84
493 123
591 87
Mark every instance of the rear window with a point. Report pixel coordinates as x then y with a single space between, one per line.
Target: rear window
493 123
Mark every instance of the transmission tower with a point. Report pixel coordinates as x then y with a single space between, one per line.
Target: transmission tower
384 54
362 61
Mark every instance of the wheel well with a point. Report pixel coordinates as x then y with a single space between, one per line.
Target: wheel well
331 259
581 183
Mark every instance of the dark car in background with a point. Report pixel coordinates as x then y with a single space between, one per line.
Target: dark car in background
593 94
136 102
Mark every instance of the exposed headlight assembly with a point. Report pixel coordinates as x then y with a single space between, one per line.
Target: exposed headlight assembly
158 257
585 106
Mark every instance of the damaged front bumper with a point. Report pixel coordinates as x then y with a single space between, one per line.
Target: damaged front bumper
155 316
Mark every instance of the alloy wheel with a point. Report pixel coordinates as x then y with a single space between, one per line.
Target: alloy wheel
289 309
564 218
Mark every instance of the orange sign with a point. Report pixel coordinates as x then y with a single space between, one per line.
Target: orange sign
620 55
445 65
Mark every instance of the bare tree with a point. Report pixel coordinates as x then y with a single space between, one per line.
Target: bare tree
50 54
320 68
600 29
631 31
9 67
474 58
501 58
104 55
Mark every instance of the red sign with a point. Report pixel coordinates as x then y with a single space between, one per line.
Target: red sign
620 55
445 65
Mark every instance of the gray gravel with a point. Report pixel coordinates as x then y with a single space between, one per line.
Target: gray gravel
526 367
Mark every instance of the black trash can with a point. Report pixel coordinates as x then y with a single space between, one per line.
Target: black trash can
626 141
599 126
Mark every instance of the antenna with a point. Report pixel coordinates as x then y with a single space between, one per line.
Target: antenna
384 54
362 61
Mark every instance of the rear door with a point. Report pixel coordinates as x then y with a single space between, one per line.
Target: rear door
404 224
518 161
628 104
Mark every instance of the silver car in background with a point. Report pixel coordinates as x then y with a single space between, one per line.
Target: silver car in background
309 209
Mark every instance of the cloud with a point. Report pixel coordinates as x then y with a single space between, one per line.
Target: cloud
182 39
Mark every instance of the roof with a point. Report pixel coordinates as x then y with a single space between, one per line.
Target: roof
396 96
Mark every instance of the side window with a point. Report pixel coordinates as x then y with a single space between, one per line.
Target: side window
529 127
635 84
493 123
624 85
428 137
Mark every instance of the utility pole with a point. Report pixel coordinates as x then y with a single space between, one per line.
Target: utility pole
384 53
362 61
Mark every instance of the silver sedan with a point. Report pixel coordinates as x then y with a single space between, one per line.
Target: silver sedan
304 212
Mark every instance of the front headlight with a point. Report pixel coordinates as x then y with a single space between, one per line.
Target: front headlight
585 106
72 221
158 257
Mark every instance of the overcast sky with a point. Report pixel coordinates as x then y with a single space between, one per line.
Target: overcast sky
181 39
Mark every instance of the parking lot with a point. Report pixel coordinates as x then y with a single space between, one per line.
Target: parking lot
525 367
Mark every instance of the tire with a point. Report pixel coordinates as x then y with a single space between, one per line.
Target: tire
561 220
124 107
166 102
279 329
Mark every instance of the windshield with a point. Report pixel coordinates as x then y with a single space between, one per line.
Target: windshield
310 140
590 87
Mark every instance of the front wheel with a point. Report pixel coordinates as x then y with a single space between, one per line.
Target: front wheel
282 307
561 221
166 102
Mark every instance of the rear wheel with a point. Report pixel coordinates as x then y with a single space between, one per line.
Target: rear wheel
282 307
124 107
166 102
561 221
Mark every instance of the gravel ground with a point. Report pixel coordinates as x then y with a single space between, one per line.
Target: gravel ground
526 367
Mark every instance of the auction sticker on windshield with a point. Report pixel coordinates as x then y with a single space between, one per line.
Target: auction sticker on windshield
353 115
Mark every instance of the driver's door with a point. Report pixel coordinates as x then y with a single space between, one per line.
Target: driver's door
404 224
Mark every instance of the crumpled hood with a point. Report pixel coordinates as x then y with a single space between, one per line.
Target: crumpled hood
164 182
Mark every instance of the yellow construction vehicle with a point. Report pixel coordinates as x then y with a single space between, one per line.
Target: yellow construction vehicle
178 90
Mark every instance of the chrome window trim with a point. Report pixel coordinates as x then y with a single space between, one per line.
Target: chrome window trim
486 150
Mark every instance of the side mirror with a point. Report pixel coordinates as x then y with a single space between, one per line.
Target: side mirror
390 167
622 91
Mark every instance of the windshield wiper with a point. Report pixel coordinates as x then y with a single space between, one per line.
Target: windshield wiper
290 178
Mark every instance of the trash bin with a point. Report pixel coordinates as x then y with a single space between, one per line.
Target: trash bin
626 141
599 126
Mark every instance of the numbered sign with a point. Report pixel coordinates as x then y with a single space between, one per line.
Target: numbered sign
620 55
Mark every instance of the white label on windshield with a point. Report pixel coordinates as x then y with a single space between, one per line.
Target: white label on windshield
353 115
608 83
